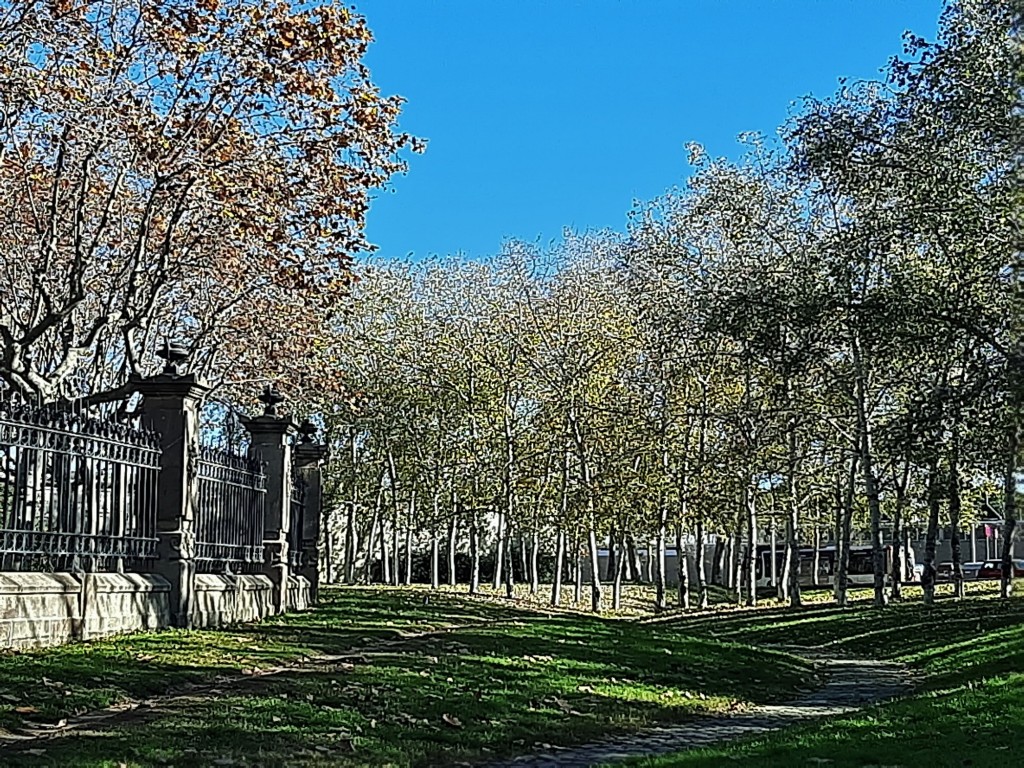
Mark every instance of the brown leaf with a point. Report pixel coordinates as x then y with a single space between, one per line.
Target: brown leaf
26 710
451 720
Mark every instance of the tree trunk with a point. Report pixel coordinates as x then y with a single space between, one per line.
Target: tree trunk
453 540
396 555
393 482
1009 508
509 572
556 581
717 559
660 603
612 561
385 555
682 570
370 545
328 554
474 555
499 552
408 555
524 565
351 545
702 580
793 508
954 512
864 444
845 531
793 553
816 558
534 561
636 573
899 559
577 573
773 572
751 564
616 573
737 556
931 539
595 577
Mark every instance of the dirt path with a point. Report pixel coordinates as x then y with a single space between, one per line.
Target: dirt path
136 711
850 685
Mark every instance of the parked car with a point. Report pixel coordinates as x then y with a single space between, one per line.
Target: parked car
971 570
944 571
993 569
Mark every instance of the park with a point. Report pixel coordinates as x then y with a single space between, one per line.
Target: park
732 475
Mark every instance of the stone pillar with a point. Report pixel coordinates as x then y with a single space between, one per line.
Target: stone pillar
170 406
309 458
272 436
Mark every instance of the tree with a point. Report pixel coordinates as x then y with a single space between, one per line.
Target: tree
191 170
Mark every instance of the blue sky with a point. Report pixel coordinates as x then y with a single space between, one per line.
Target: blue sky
546 114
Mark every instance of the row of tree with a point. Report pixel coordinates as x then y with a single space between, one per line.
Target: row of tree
824 335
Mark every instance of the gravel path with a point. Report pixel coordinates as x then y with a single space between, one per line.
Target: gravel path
850 685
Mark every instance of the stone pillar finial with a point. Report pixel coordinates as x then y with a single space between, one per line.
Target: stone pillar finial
270 398
174 356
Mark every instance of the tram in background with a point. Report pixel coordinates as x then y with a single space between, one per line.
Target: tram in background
860 571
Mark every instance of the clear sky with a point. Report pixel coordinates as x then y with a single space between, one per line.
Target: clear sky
546 114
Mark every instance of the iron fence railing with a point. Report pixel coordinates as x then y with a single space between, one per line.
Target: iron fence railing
297 510
77 493
230 512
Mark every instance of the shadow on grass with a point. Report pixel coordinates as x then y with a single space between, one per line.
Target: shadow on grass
80 677
423 708
904 630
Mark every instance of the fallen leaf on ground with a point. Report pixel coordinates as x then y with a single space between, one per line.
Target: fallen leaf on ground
451 720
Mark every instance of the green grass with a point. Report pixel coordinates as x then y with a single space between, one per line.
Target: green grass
77 678
969 712
500 680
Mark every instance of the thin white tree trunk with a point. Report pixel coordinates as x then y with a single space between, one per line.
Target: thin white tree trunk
556 581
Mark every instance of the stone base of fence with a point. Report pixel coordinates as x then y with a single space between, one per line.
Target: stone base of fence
219 600
299 597
38 609
114 603
46 609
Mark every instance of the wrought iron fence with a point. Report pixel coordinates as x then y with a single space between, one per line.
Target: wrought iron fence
77 493
297 510
230 513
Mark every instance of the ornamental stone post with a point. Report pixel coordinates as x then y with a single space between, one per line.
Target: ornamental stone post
309 459
170 406
272 436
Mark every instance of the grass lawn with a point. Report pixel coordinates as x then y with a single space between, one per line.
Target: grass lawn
500 679
970 711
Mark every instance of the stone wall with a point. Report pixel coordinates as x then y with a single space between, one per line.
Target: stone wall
39 609
223 599
114 603
45 609
298 593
